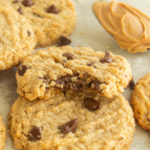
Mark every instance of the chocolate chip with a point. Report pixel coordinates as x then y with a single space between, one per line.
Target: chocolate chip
79 85
37 15
86 75
132 84
20 10
64 79
27 3
96 84
22 70
90 64
107 58
15 1
29 33
53 9
34 134
64 41
76 74
91 104
70 126
69 56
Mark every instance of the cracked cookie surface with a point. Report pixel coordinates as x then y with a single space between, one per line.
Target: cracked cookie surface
2 134
49 18
16 36
43 73
76 121
141 102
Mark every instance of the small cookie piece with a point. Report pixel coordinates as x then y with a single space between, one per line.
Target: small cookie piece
64 122
2 134
49 18
17 38
68 68
141 102
129 26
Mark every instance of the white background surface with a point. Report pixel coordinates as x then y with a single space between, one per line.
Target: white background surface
88 33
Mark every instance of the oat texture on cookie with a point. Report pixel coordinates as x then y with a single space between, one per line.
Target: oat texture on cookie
2 134
129 26
49 18
141 102
82 121
16 36
77 69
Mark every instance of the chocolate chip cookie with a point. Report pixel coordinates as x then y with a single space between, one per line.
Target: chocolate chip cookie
77 69
49 18
141 102
76 121
2 135
17 38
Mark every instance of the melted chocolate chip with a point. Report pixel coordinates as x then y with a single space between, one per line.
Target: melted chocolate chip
27 3
132 84
79 85
64 41
69 56
91 104
34 134
53 9
22 70
64 80
107 58
20 10
90 64
70 126
29 33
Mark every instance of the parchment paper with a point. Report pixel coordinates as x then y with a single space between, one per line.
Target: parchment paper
88 33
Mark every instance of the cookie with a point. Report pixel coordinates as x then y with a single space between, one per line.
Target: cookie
76 69
141 102
49 18
17 38
77 121
2 134
129 26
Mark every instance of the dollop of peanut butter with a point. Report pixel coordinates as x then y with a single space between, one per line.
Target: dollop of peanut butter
129 26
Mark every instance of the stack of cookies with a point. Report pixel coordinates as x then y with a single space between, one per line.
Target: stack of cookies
70 99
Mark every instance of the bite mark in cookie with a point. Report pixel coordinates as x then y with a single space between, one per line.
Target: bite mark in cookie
67 68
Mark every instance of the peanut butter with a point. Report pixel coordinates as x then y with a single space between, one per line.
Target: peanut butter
129 26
